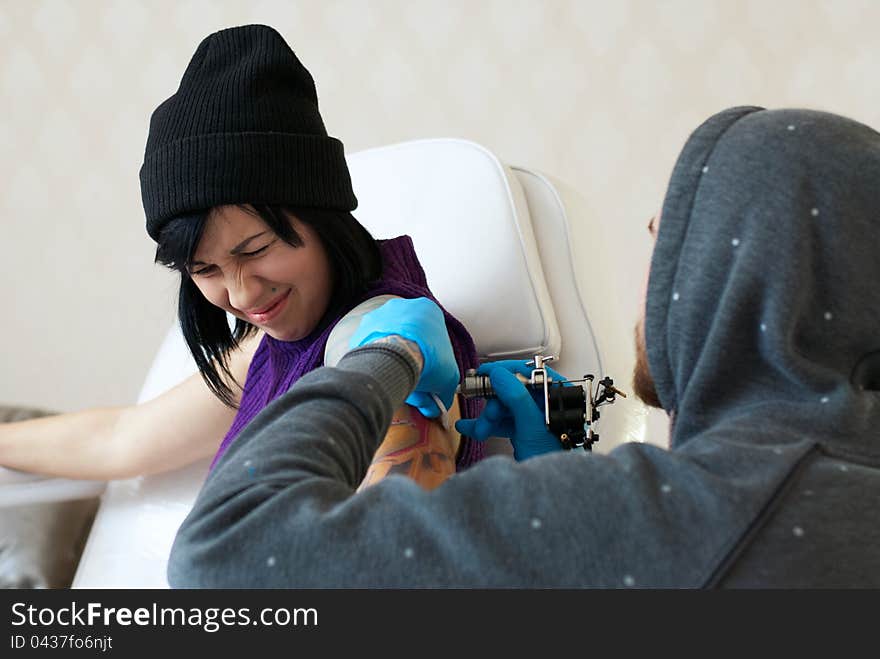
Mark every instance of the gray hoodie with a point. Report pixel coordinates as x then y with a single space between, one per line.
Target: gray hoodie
762 331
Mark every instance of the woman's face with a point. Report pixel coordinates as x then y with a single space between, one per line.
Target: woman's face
241 266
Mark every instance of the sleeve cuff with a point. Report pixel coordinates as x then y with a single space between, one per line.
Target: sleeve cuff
392 366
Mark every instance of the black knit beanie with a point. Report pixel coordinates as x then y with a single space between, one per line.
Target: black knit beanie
243 127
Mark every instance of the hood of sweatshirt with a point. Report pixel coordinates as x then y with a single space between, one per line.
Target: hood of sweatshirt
763 305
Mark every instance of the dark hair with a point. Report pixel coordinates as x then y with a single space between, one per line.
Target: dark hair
352 252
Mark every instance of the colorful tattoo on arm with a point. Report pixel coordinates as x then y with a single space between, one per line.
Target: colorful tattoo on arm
416 447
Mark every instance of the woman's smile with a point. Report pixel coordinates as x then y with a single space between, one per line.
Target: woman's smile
268 313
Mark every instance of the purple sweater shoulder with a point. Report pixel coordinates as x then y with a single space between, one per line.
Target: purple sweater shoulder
276 365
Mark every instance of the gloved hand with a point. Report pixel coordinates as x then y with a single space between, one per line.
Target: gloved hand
420 320
516 413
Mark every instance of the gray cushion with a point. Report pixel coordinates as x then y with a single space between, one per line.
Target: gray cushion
40 544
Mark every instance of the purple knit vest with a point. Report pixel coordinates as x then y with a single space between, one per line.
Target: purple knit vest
276 365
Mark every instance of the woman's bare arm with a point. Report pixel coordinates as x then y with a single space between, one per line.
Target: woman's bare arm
414 445
182 425
417 447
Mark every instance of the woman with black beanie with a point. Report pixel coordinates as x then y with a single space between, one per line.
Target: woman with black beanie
250 200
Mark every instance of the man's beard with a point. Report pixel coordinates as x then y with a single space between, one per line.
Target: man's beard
643 384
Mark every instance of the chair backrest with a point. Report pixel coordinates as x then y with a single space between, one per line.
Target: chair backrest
469 220
482 231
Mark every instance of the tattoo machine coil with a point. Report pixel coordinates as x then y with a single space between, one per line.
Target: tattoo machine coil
570 410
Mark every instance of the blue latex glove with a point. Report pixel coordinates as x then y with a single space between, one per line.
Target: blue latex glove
420 320
516 413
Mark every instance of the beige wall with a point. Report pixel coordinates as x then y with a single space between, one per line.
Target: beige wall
599 95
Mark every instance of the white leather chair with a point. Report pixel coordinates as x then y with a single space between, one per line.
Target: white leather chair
494 243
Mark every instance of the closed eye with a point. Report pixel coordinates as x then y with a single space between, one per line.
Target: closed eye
255 252
201 271
206 270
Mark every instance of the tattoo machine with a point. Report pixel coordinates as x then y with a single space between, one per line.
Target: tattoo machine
569 410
